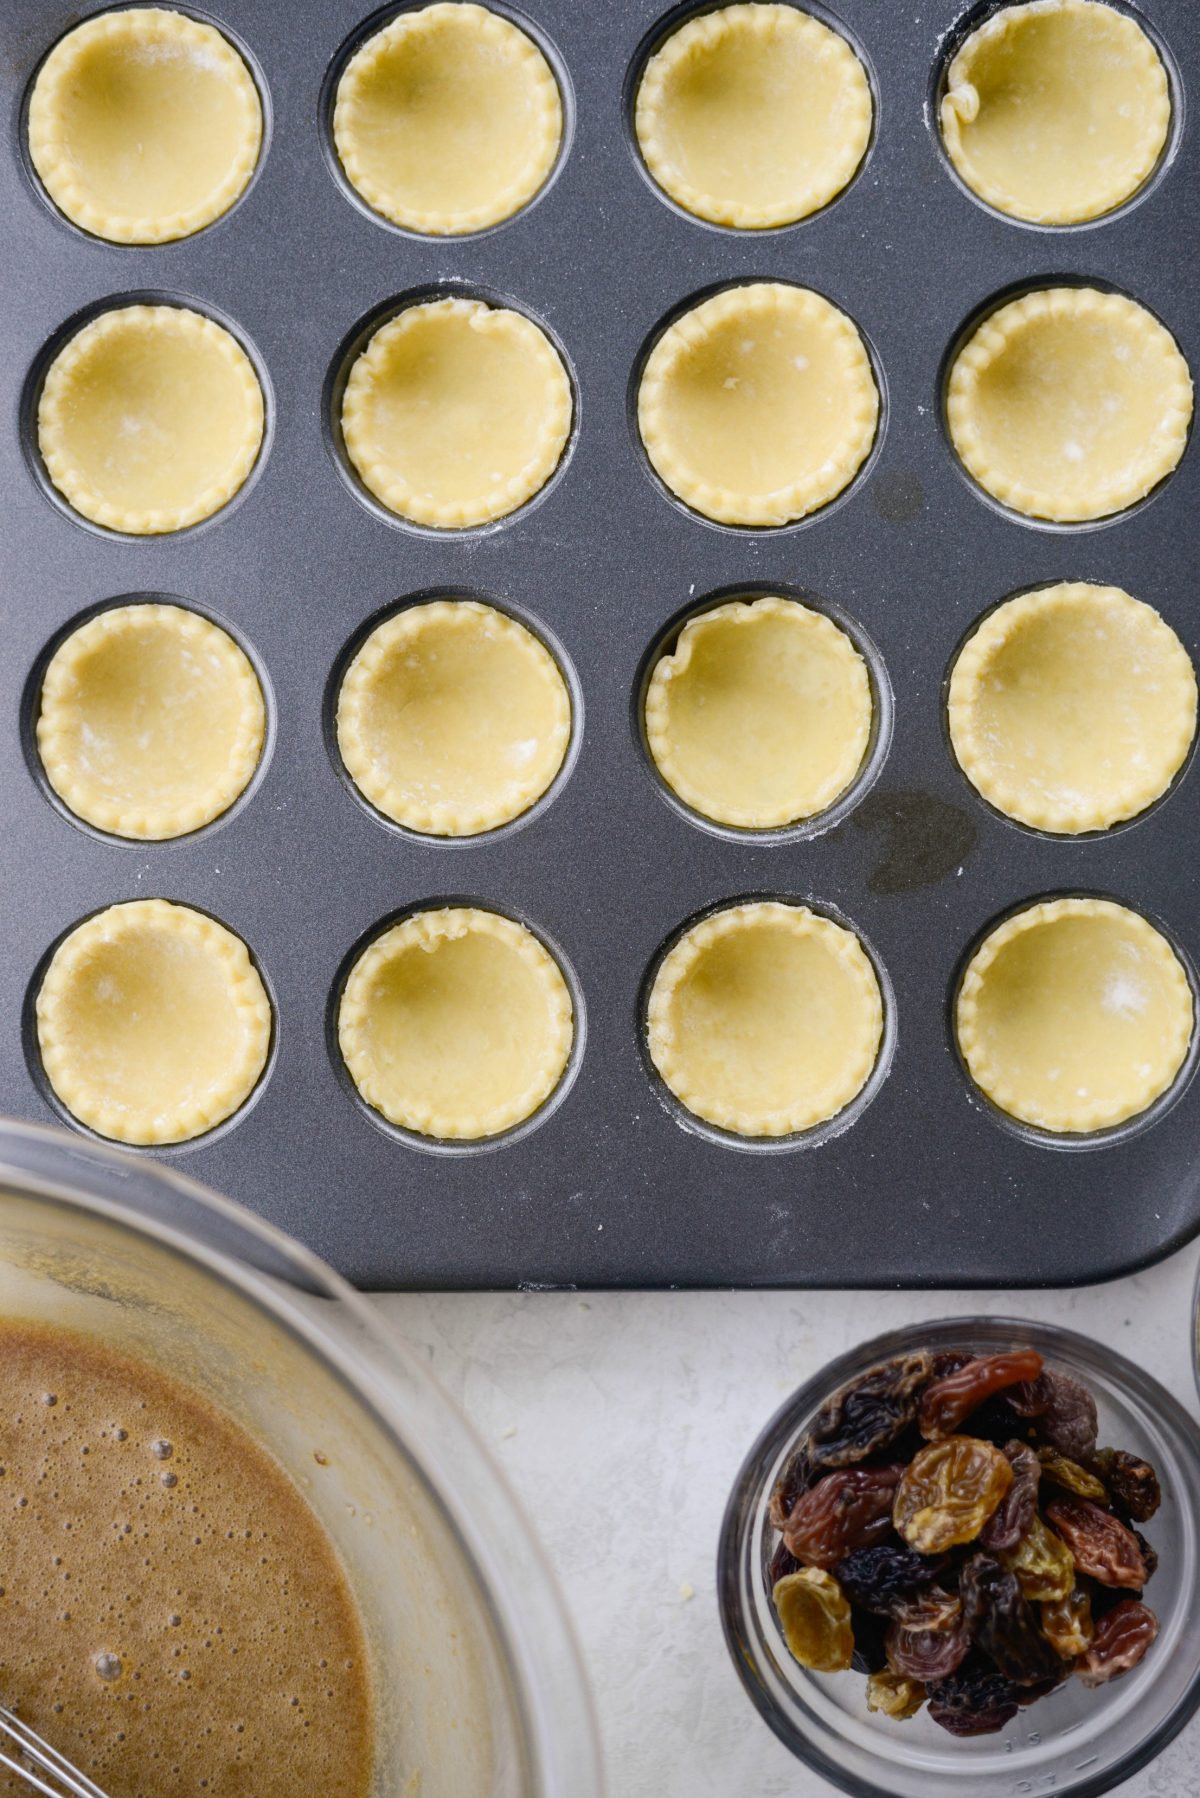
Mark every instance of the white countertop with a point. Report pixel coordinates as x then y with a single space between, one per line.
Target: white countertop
622 1418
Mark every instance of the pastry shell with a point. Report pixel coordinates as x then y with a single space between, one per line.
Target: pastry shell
156 36
1070 404
153 1023
765 1018
456 412
1074 1015
502 153
758 405
456 1024
799 104
1072 708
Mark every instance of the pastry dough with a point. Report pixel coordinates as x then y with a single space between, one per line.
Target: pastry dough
1070 403
144 125
754 115
1056 111
453 718
153 1023
761 714
1072 708
759 405
151 721
150 419
456 1023
765 1019
1074 1015
448 120
457 412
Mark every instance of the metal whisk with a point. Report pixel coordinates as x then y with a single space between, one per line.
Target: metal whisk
42 1768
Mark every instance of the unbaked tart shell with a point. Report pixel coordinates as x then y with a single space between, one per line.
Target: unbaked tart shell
1072 708
153 1023
151 721
759 404
453 718
1074 1015
456 412
144 125
1070 404
754 115
448 120
1056 111
760 716
765 1019
150 419
456 1024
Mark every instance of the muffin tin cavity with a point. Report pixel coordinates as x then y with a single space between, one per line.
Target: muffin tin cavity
752 115
446 119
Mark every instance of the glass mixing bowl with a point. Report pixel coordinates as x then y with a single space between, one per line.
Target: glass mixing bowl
1076 1741
479 1686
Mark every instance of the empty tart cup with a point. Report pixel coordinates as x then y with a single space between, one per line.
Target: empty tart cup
453 718
753 115
456 1024
150 419
1072 708
144 125
448 120
765 1019
150 721
1069 404
456 412
760 715
1056 111
758 405
153 1024
1074 1015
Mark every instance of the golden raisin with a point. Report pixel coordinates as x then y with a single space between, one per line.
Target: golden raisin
1067 1623
1042 1562
815 1616
894 1694
948 1492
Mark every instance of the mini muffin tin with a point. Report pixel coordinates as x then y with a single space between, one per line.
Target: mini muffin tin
925 1184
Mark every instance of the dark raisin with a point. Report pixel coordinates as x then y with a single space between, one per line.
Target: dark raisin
1149 1553
1014 1514
974 1701
869 1413
849 1509
1065 1412
780 1565
870 1653
1133 1489
947 1402
793 1482
999 1621
879 1578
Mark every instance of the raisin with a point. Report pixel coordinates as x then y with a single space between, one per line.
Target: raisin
895 1695
1133 1488
792 1484
975 1701
1067 1623
932 1609
815 1618
1102 1546
1000 1622
1041 1563
870 1632
782 1562
1120 1642
948 1361
946 1402
880 1578
1013 1515
1065 1412
869 1413
926 1654
1149 1553
1070 1477
848 1509
948 1493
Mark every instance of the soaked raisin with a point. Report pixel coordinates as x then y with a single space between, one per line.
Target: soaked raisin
880 1578
1120 1642
849 1509
816 1620
895 1695
1101 1544
1067 1623
1042 1564
948 1493
975 1701
947 1402
1000 1622
926 1654
869 1413
1132 1483
1013 1515
1065 1412
1070 1477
